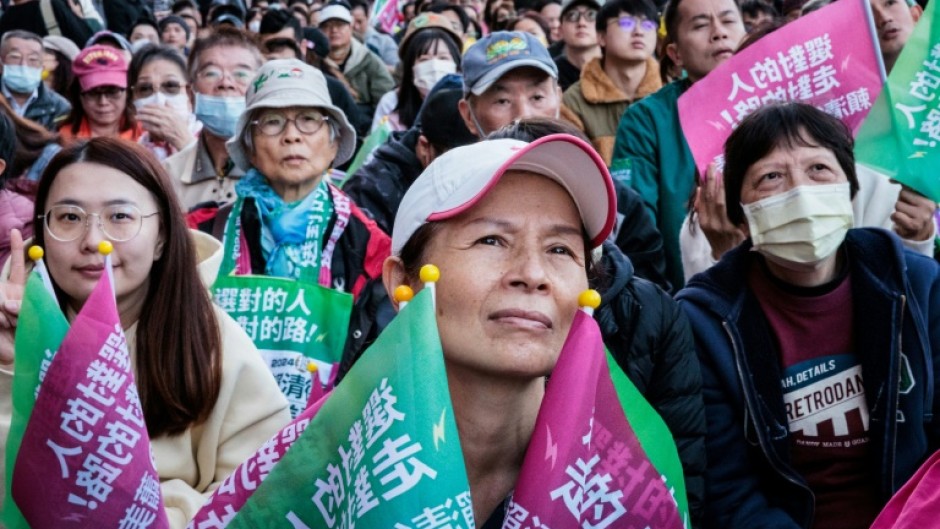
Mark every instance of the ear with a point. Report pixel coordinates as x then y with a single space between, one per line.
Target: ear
424 151
602 39
673 52
3 166
463 106
393 276
158 249
916 12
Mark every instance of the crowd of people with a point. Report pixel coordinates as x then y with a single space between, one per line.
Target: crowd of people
530 150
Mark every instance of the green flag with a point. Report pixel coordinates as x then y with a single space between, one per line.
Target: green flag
383 450
378 136
39 332
901 136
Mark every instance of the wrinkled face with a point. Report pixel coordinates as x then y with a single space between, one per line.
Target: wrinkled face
22 52
225 71
160 76
552 12
76 266
293 159
521 93
895 21
512 268
174 35
708 32
145 32
338 32
787 167
577 27
629 38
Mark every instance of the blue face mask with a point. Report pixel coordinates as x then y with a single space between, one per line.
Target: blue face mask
219 114
21 79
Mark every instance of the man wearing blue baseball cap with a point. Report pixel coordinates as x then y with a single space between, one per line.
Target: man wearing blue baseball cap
507 75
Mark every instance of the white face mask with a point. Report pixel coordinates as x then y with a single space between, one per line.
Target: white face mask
254 26
428 73
802 226
179 102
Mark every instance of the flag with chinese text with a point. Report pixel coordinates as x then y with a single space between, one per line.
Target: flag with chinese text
385 15
901 135
39 332
585 465
829 58
382 451
85 458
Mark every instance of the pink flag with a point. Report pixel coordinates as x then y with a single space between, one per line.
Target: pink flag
85 460
574 474
829 59
917 504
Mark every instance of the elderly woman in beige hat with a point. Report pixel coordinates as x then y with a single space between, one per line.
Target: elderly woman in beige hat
288 220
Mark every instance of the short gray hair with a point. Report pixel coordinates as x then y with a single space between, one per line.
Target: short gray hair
18 34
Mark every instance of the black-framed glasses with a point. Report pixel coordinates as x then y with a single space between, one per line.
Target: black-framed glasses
119 223
575 15
170 88
629 23
306 121
111 93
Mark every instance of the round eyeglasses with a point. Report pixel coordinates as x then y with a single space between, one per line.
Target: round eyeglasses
306 121
119 223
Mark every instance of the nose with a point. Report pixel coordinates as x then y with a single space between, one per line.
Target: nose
719 31
93 234
291 133
528 270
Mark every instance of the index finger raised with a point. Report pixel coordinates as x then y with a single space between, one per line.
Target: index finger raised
17 258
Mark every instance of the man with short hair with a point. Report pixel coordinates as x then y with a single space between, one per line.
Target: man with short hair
650 151
366 73
379 43
894 21
580 37
21 54
221 66
625 72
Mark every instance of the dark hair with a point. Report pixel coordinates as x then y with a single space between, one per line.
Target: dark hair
540 4
756 7
445 129
149 54
760 31
7 147
77 114
223 36
31 140
179 357
488 16
778 125
274 45
62 73
534 17
409 98
276 20
439 8
613 8
361 4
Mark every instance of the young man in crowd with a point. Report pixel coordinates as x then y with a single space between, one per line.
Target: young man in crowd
379 43
625 72
894 21
580 37
650 151
21 54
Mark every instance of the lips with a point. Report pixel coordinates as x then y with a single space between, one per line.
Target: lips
522 318
293 158
723 53
890 33
93 270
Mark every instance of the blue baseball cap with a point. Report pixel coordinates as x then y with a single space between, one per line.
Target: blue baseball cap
496 54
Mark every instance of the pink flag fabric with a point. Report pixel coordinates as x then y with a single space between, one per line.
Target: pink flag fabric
829 59
86 460
572 474
917 504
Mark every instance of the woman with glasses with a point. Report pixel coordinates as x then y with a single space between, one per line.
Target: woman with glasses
207 399
290 222
99 97
159 83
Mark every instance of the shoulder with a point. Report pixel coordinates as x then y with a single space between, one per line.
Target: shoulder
180 165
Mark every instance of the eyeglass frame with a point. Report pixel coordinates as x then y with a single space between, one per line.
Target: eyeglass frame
240 81
575 15
140 226
256 123
95 94
638 22
161 88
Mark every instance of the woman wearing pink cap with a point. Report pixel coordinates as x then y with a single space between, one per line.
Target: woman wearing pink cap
99 97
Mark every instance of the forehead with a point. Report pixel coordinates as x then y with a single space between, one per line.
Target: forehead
520 194
158 67
23 45
689 9
227 56
92 184
520 79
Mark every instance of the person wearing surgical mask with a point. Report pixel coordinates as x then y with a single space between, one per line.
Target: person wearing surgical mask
429 51
158 81
221 66
21 55
818 342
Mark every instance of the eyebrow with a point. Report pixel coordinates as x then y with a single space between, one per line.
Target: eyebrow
554 229
114 202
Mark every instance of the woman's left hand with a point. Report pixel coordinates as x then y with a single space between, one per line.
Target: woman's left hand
913 215
165 123
11 296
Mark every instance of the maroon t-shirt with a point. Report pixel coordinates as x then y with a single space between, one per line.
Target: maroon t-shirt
824 397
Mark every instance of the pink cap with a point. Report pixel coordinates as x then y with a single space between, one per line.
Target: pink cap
100 66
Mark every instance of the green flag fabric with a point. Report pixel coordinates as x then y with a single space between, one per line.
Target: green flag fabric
378 136
901 136
383 450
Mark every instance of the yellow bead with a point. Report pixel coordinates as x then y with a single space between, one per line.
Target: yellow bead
403 294
589 298
36 253
312 367
429 274
105 247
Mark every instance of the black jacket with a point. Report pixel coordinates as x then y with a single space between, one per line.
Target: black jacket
49 109
637 236
379 185
650 338
28 16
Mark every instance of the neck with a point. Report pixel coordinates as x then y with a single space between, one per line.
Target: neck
493 444
216 147
104 129
807 275
294 192
626 75
580 56
889 62
339 55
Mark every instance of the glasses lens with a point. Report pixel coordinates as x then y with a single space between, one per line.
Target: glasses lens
648 25
171 88
309 121
272 124
627 23
66 223
143 90
121 223
210 74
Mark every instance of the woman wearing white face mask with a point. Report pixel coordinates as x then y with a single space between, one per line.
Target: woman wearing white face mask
819 343
158 81
429 51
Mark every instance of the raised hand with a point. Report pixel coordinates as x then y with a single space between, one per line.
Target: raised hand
913 215
11 295
712 215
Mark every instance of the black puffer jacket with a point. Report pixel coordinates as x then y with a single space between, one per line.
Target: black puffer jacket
650 338
379 185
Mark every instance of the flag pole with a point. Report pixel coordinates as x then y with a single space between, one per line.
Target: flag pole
36 253
589 300
430 274
105 248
